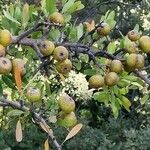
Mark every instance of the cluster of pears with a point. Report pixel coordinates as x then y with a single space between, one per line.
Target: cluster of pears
110 79
135 60
66 116
6 65
59 53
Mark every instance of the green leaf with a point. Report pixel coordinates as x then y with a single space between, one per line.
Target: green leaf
50 6
67 5
111 47
8 82
111 15
15 112
115 109
101 97
90 72
9 17
47 87
25 15
130 78
79 30
126 103
84 58
144 99
75 7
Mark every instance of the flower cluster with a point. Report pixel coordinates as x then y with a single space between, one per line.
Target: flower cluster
76 85
146 20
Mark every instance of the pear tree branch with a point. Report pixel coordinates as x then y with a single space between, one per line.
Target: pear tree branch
38 119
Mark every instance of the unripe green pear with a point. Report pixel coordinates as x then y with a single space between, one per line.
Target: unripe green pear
111 79
60 53
144 44
96 81
140 61
33 94
104 29
67 120
57 17
66 103
47 48
5 65
5 38
116 66
131 47
133 35
64 67
2 51
131 60
19 63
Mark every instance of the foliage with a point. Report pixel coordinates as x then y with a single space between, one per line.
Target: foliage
113 117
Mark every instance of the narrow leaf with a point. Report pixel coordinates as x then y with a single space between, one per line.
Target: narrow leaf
46 128
73 131
46 145
17 75
25 15
51 6
18 131
126 103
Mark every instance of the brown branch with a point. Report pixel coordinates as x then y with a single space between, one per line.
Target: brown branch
143 77
16 105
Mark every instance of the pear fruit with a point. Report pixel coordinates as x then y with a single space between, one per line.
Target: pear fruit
5 38
57 17
64 67
33 94
131 47
144 44
67 120
47 48
60 53
111 79
131 60
116 66
133 35
17 62
96 81
140 61
66 103
104 29
2 51
5 65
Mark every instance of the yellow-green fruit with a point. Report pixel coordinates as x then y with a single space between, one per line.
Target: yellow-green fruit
144 44
47 48
131 47
5 65
131 60
140 61
33 94
96 81
5 38
2 51
60 53
19 63
57 17
133 35
111 79
104 29
64 67
67 120
66 103
116 66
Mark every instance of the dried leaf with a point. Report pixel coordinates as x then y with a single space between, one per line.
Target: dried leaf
46 145
17 74
18 131
73 131
46 128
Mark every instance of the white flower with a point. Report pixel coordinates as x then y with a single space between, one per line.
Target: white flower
77 86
